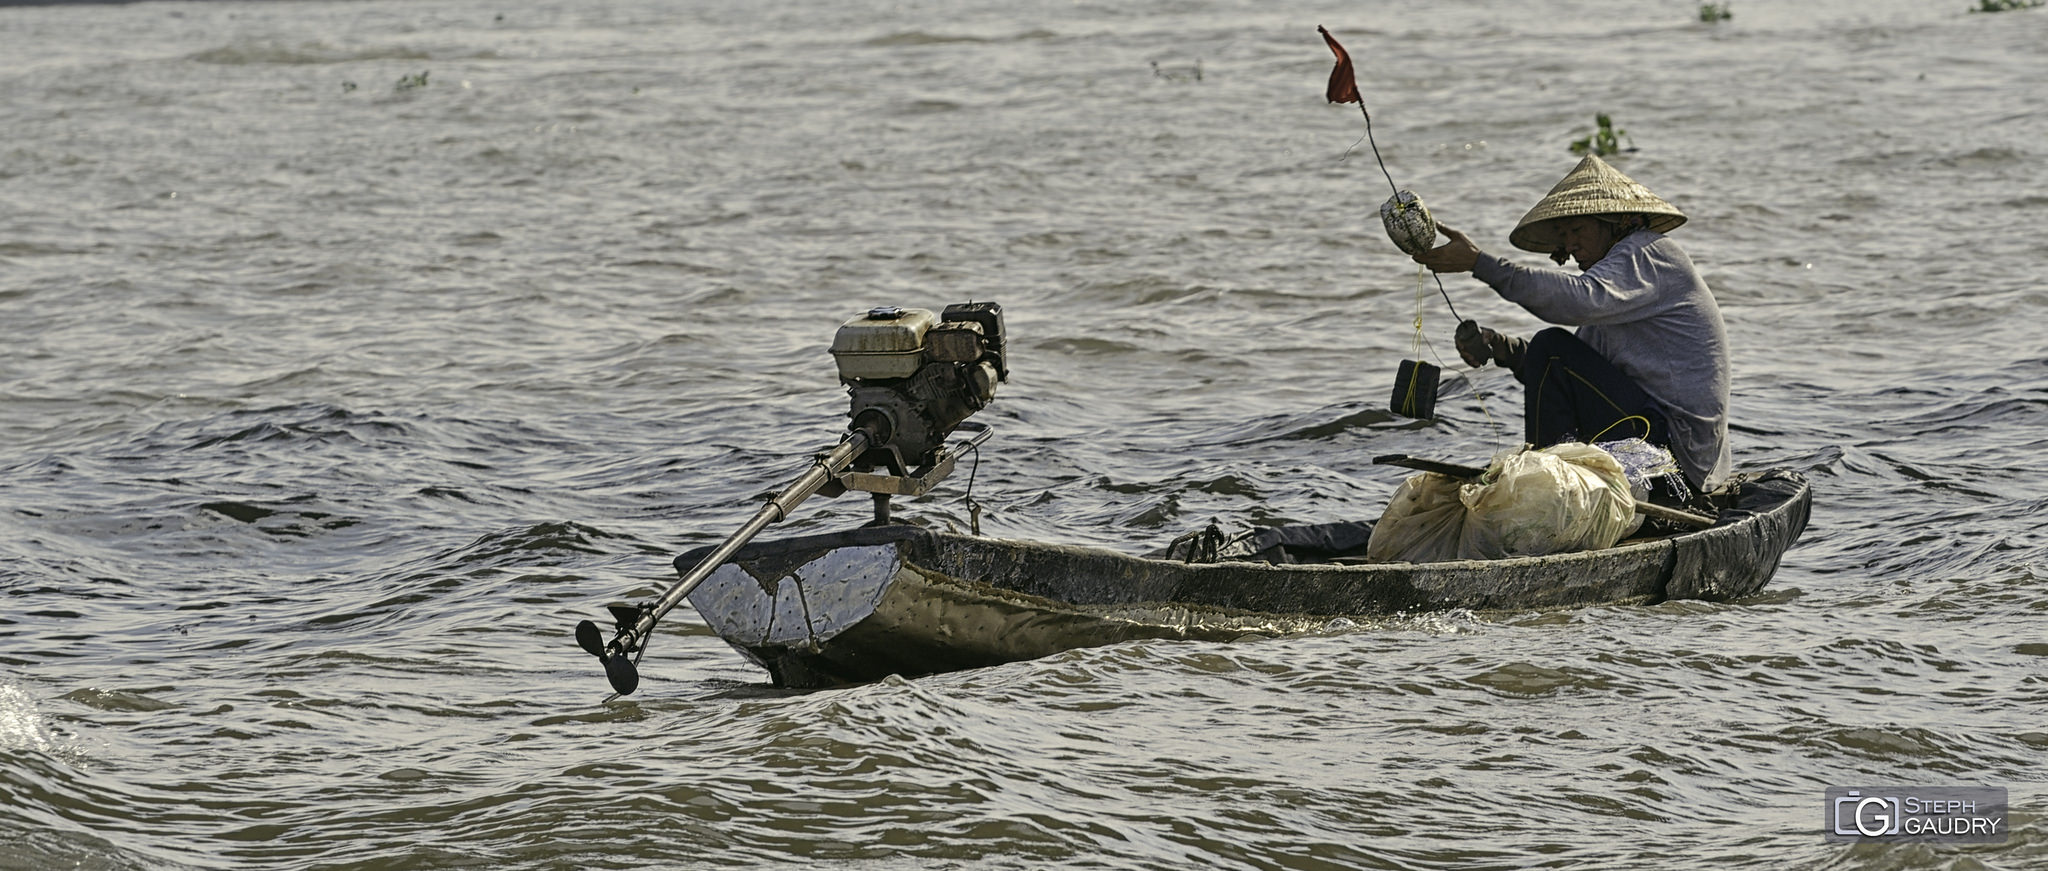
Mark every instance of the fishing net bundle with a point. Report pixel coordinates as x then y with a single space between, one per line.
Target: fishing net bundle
1648 466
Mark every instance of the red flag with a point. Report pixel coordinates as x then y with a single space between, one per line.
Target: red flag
1343 82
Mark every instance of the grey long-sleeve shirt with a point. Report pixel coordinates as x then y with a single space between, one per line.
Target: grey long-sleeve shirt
1646 309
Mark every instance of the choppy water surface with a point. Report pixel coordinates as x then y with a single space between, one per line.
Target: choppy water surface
357 350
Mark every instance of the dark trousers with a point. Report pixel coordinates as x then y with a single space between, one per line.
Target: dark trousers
1574 394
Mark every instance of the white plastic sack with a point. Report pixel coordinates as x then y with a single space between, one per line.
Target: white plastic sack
1563 498
1422 524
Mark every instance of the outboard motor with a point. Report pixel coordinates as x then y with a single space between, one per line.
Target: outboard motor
914 378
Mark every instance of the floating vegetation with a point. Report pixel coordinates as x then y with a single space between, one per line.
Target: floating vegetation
1714 12
347 86
1603 141
409 82
2006 5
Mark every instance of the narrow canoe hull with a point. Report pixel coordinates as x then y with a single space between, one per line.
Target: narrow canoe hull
859 605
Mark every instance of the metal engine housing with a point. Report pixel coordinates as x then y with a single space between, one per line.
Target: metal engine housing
911 393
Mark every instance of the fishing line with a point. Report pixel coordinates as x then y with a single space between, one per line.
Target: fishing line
1375 149
1343 88
1422 342
1413 230
1636 418
1397 194
1447 296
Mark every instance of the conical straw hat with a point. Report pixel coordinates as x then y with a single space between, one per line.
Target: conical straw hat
1591 188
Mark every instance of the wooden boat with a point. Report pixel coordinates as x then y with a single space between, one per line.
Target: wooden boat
856 606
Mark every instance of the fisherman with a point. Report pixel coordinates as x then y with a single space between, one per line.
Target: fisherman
1650 357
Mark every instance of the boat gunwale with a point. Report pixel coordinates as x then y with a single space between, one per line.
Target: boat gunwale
896 532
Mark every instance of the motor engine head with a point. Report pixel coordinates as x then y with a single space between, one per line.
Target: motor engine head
914 376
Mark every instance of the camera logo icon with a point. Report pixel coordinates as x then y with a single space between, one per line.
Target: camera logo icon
1871 816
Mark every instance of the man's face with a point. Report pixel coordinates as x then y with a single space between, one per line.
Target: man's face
1585 239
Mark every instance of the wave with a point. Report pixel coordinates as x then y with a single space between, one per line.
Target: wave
256 53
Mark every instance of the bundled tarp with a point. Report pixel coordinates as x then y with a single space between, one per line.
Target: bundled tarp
1563 498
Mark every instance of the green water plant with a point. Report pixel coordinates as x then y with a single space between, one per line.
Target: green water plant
2005 5
1604 140
415 80
1713 12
